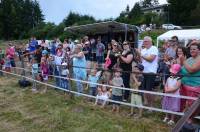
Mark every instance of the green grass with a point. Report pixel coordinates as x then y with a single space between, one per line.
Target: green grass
21 111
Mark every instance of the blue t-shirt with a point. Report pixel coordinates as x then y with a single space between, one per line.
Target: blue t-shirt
78 71
93 79
32 46
35 68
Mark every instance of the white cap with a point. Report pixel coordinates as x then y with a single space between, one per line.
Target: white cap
64 64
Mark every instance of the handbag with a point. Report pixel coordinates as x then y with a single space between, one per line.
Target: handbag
107 63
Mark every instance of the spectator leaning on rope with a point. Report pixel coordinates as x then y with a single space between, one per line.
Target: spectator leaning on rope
191 67
79 67
149 57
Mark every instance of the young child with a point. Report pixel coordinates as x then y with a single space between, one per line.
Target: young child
135 83
7 65
93 78
45 71
35 71
172 86
64 73
116 92
102 96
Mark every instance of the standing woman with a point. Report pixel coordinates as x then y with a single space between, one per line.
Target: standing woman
126 65
111 61
79 67
111 55
181 53
191 67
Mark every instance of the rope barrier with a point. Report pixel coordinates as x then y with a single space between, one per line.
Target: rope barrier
109 100
122 88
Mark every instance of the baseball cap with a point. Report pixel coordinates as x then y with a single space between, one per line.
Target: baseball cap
45 52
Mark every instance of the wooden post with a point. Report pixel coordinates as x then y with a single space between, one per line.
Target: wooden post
186 116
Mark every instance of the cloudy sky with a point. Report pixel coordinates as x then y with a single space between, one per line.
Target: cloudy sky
56 10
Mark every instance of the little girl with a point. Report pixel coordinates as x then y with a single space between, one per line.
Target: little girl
116 92
102 96
172 86
44 68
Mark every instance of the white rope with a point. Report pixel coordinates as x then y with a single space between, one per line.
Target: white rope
133 90
123 103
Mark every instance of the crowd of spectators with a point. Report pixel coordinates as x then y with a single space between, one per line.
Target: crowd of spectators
117 65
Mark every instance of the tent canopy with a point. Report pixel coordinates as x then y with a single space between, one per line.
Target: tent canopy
102 27
183 35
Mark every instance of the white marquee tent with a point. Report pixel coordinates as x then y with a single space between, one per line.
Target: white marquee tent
183 35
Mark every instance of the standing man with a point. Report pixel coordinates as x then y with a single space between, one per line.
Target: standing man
150 62
33 44
100 48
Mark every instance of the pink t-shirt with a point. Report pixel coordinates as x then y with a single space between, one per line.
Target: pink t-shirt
10 52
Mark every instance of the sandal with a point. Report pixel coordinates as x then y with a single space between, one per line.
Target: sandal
171 122
165 119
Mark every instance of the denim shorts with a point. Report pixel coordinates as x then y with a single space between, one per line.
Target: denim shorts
116 98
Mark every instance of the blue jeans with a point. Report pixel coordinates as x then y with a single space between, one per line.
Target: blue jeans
93 91
57 73
64 83
100 59
79 85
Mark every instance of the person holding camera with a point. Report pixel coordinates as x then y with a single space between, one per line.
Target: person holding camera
125 60
112 55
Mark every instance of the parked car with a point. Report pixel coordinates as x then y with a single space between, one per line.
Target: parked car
170 26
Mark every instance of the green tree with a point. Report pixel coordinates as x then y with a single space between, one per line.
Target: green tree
149 3
180 11
76 19
195 15
18 17
136 15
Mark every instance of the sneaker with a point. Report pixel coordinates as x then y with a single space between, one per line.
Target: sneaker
34 90
124 100
171 122
165 119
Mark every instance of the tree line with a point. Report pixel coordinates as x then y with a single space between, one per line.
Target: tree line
18 17
21 19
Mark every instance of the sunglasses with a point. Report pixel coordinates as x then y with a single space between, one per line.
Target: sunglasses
125 43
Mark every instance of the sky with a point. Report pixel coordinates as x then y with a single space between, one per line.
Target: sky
56 10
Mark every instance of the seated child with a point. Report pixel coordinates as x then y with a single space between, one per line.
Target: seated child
172 86
116 92
135 83
102 96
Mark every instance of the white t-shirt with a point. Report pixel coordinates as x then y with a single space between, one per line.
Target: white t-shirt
150 67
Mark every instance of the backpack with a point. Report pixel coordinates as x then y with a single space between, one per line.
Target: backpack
24 83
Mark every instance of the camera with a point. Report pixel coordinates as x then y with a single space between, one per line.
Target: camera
117 54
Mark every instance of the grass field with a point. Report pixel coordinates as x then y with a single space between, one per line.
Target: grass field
21 111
